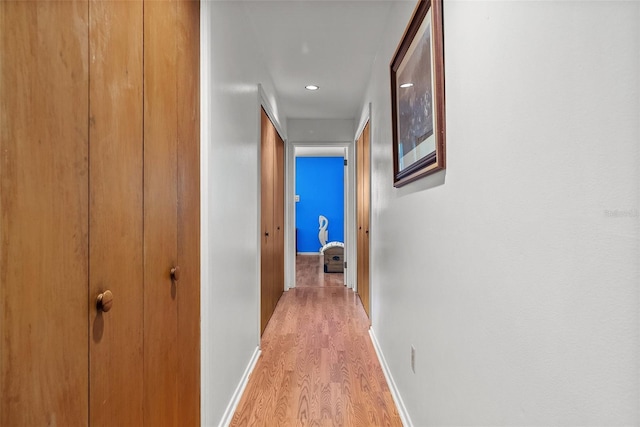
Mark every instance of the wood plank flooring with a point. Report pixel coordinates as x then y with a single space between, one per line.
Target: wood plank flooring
318 366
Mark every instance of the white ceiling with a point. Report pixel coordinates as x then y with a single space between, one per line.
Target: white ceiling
330 43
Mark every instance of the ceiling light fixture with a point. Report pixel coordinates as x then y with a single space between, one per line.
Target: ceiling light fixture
312 87
406 85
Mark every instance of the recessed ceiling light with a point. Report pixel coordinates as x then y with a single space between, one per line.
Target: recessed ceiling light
312 87
406 85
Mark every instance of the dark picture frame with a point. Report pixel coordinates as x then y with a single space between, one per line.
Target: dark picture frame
417 96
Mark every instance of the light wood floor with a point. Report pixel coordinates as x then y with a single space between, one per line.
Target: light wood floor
318 366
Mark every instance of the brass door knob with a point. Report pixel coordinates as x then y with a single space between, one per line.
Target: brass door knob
104 301
175 273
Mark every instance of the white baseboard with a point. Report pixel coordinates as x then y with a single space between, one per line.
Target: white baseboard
309 253
402 410
237 395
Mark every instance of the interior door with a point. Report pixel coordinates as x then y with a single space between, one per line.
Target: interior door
160 214
116 213
363 209
267 247
278 215
99 180
44 360
188 75
272 219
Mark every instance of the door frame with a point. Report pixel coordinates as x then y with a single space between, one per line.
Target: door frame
349 209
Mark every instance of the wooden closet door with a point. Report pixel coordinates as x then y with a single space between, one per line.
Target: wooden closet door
93 200
366 209
115 212
363 208
188 74
359 213
267 246
160 215
44 213
272 219
278 215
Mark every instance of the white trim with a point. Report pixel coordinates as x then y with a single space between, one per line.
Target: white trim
262 102
363 122
237 394
372 230
316 151
320 144
289 200
290 218
309 253
345 225
351 232
395 393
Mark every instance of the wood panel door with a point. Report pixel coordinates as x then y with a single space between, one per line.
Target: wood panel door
116 212
272 219
278 217
171 213
160 214
267 247
188 84
44 203
99 179
363 190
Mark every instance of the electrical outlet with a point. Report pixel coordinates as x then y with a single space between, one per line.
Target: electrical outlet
413 359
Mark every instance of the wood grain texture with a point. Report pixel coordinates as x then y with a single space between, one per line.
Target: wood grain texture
271 218
44 213
267 246
318 366
188 74
160 214
278 217
73 200
116 212
363 286
363 196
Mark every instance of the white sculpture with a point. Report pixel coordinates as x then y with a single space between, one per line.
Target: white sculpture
323 235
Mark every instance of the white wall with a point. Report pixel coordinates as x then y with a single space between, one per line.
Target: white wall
320 130
231 69
515 272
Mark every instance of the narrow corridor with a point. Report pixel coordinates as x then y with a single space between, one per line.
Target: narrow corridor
318 366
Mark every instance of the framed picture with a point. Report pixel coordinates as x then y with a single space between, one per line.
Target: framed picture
417 96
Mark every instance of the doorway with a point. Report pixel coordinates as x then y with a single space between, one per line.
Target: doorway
305 236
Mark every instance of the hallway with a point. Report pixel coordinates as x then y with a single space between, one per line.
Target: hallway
318 366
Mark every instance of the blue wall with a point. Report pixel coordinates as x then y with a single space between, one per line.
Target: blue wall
320 185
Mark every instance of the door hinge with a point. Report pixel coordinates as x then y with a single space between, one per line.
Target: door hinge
345 264
345 162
